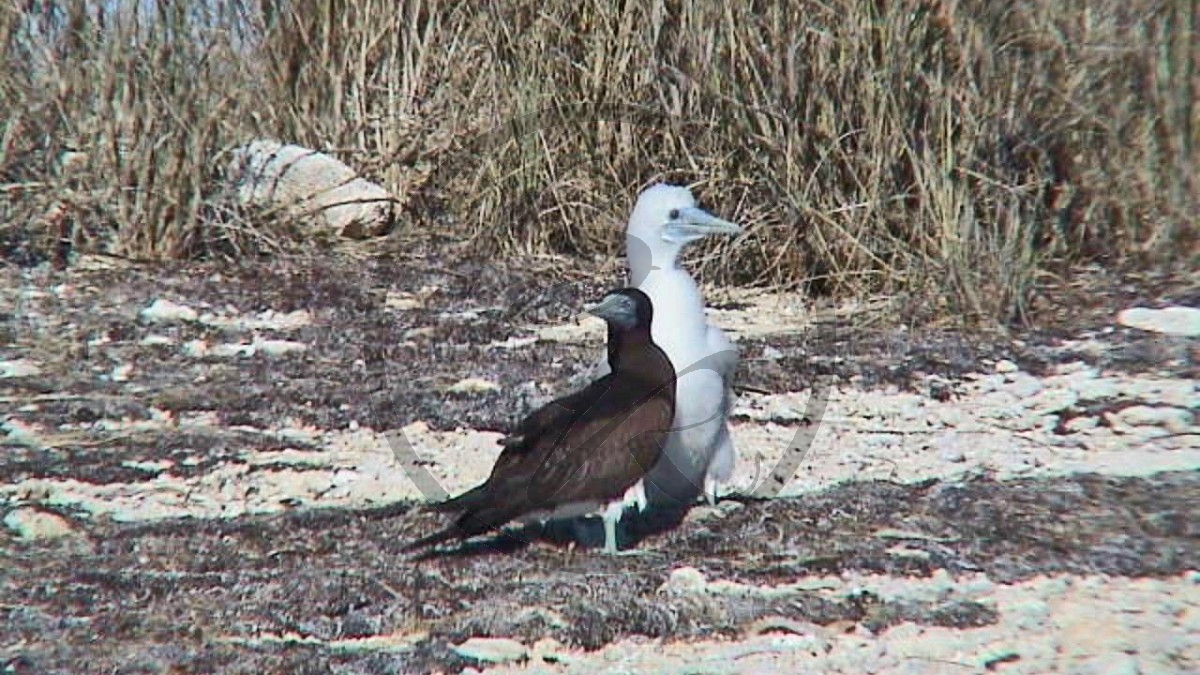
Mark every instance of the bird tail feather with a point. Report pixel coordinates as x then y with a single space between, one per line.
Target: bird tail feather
479 515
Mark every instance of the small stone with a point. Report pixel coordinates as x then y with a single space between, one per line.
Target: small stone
122 372
814 645
196 349
1177 394
402 301
685 579
165 311
17 432
1083 423
549 650
155 340
903 551
1178 321
19 368
1052 400
1096 390
279 347
1024 386
770 353
473 385
491 650
1078 368
1174 420
32 524
1004 366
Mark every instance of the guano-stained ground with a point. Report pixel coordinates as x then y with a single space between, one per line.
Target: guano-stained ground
118 404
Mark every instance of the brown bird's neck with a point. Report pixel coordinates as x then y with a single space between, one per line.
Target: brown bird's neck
630 352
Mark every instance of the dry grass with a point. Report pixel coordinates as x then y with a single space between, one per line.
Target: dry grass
937 149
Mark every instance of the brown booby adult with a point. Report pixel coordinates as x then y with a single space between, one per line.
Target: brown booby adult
586 451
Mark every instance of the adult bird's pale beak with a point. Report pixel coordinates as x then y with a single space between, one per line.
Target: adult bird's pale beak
615 307
690 224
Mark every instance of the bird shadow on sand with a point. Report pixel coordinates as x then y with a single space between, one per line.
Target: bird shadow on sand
584 533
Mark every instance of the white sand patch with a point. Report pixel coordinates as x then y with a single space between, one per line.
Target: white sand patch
166 311
401 301
396 642
201 348
266 320
992 427
19 368
764 314
354 468
1047 624
585 329
163 311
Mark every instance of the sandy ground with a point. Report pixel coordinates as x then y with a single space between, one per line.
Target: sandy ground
212 469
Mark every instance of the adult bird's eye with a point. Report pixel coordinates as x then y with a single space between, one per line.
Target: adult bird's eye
673 214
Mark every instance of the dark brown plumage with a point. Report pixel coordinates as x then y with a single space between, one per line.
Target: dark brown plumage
585 450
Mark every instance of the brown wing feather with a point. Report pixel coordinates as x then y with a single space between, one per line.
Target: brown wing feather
557 414
598 460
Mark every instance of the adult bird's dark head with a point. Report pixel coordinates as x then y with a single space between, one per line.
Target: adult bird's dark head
628 313
626 309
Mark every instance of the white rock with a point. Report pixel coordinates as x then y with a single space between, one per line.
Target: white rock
19 433
230 349
1098 389
1077 371
122 372
165 311
684 579
988 383
1078 424
196 349
770 353
1004 366
311 185
491 650
278 347
30 524
19 368
156 340
1024 386
473 385
1178 321
1052 400
1174 420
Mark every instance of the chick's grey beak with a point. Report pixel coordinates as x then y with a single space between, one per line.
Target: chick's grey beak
695 223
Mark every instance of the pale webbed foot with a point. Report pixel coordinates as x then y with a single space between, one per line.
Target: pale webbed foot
611 515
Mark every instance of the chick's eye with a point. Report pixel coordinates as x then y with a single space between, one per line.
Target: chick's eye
673 214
